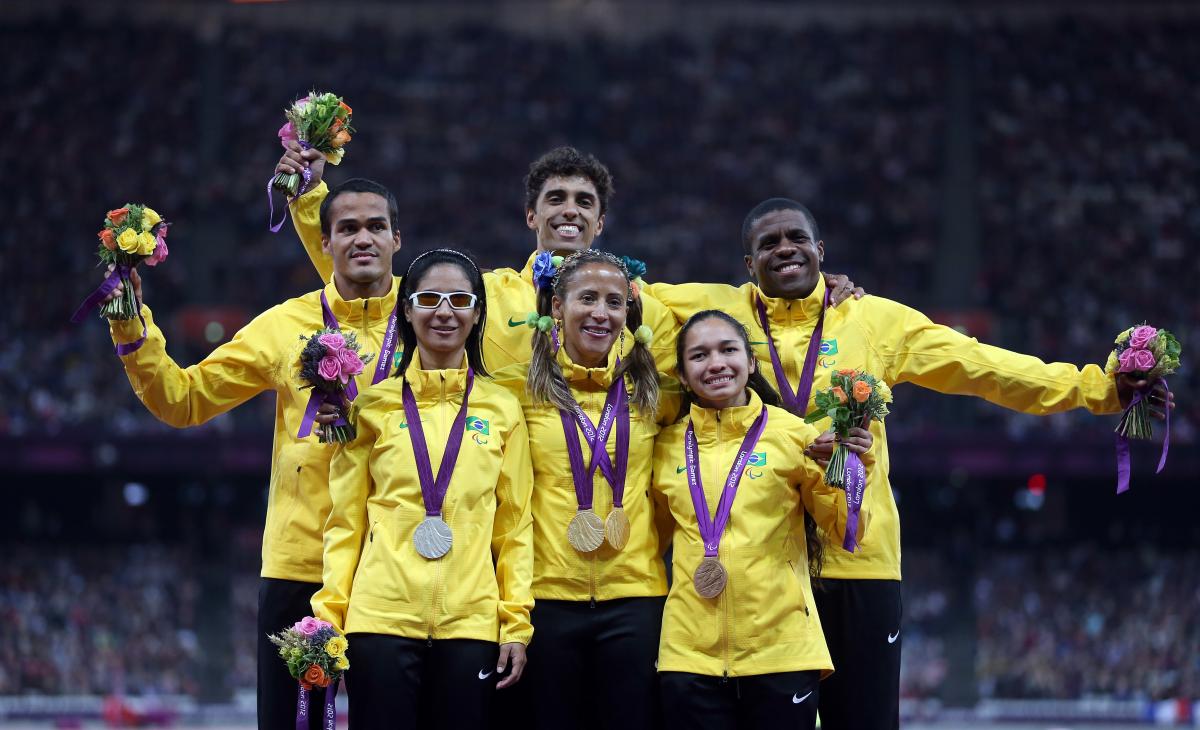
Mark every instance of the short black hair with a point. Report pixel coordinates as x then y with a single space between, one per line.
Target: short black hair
770 206
567 162
360 185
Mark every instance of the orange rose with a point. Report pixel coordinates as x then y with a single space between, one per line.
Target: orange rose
346 106
118 216
862 391
340 139
337 124
108 239
847 372
840 394
316 676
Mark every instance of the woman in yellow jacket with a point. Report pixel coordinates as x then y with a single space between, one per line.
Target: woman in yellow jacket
741 644
428 553
599 577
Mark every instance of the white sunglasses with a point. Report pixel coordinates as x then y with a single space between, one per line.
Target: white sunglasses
434 299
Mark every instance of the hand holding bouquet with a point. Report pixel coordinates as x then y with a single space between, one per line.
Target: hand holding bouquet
316 657
328 364
132 234
319 121
1149 354
1145 353
853 400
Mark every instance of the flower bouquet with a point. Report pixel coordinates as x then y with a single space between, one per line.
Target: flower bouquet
132 234
319 121
316 656
328 364
1146 353
853 400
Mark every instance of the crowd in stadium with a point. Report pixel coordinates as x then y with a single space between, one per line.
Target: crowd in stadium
701 139
1084 622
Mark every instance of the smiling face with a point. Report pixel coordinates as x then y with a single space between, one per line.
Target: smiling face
566 216
361 240
785 258
716 364
593 308
442 331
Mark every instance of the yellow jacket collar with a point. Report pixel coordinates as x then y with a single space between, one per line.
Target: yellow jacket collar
738 418
430 384
355 311
577 375
791 311
527 272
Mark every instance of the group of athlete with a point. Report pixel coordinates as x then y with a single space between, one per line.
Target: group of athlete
532 445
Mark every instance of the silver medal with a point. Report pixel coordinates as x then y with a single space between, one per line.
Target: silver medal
433 538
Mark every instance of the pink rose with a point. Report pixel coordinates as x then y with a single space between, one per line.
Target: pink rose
351 363
1143 360
288 133
307 626
1141 337
1126 361
330 369
333 342
160 248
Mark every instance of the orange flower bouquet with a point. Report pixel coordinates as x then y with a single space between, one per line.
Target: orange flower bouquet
319 121
131 234
853 399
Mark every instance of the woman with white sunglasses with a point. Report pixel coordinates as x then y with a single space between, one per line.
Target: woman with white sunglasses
428 548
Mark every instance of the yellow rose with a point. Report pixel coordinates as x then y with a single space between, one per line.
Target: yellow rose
128 241
1110 367
336 646
146 244
341 663
884 391
150 218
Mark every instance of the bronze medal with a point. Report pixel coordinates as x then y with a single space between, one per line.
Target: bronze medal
433 538
616 528
586 531
710 578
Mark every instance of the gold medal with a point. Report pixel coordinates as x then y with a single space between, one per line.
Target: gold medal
616 528
710 578
586 531
433 538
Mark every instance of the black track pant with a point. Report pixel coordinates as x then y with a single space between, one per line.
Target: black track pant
591 667
759 702
394 682
861 619
282 603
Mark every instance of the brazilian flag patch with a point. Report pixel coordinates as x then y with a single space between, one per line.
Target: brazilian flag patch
758 458
479 425
828 347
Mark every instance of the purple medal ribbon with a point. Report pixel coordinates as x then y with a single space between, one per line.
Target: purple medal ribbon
616 402
712 527
795 401
855 483
96 297
306 173
1123 444
329 719
383 366
434 492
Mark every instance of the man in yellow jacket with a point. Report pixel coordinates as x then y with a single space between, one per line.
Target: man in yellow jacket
860 601
358 234
566 199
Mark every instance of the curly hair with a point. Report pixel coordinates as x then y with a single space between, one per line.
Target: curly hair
567 162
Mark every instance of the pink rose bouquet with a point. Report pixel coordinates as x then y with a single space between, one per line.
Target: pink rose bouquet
315 653
1146 353
329 363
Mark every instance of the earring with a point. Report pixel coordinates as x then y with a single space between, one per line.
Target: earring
554 334
621 344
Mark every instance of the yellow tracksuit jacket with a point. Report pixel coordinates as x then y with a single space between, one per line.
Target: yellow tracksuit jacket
765 621
899 345
374 579
560 571
263 356
510 296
